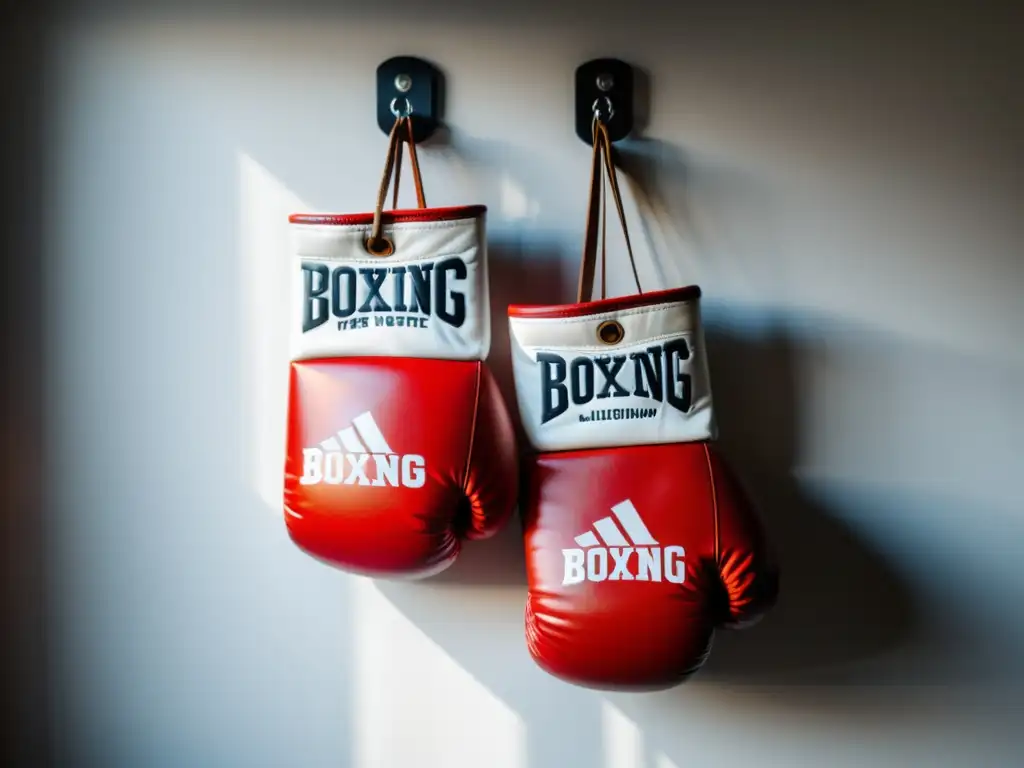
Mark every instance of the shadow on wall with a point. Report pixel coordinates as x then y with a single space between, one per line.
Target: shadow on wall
24 731
702 218
840 600
859 619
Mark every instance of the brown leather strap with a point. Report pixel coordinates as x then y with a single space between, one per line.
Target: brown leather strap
376 243
589 256
398 172
421 198
421 201
597 213
604 242
613 179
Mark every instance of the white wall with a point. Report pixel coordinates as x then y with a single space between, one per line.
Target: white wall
845 188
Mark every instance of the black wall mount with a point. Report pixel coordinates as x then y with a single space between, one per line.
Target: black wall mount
409 85
605 85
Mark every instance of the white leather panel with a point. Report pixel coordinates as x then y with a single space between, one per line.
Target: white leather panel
576 392
428 299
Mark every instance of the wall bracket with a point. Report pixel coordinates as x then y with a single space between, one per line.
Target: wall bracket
409 85
607 85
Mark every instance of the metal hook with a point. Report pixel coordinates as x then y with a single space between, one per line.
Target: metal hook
408 108
608 108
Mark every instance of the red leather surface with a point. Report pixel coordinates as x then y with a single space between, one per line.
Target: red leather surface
634 634
616 304
397 216
444 411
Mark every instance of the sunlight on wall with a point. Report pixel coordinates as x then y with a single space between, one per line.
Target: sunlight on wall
407 685
516 203
623 740
264 206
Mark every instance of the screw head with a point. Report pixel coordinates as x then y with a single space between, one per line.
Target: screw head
605 82
403 83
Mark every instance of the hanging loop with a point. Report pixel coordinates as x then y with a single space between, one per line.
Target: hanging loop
378 244
609 109
602 164
407 112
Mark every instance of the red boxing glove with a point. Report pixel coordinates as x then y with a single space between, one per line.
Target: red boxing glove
399 445
639 540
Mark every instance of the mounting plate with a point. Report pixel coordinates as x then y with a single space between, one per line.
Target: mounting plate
407 82
599 82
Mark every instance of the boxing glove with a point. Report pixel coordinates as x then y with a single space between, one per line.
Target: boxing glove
639 539
399 445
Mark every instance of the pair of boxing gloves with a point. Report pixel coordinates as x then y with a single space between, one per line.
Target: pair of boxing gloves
639 540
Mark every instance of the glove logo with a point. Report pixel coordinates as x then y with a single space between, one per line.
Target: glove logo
348 462
404 296
645 560
655 374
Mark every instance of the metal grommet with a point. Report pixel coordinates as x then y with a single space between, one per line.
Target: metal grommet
384 246
408 108
610 332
